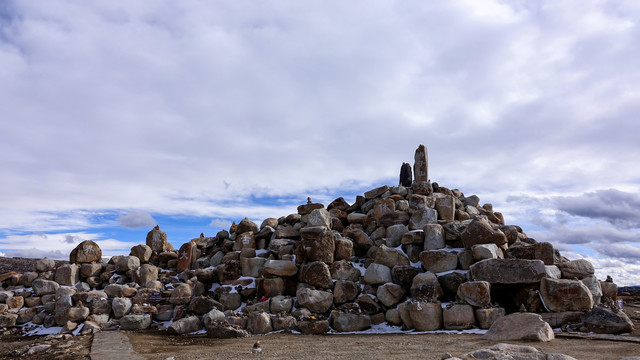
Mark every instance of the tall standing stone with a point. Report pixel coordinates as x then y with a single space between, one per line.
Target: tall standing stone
157 240
406 177
421 164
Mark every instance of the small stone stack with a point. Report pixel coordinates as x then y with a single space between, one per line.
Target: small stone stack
417 255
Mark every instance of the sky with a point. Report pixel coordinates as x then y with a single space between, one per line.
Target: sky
116 116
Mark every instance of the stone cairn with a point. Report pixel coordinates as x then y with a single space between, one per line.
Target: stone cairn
417 255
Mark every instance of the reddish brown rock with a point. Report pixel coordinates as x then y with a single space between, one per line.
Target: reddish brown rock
186 256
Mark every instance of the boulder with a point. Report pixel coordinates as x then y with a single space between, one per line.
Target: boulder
157 241
121 307
270 287
485 251
458 317
67 274
44 287
542 251
185 325
345 291
383 207
368 304
44 265
403 276
475 293
553 272
317 244
251 266
389 294
344 249
342 270
508 271
284 268
187 256
520 326
565 295
146 273
86 252
422 218
433 237
88 270
316 274
446 207
394 235
225 332
246 225
594 287
259 323
480 231
437 261
77 313
280 304
579 269
284 323
8 320
126 263
142 252
605 321
426 316
391 257
181 294
314 327
135 322
377 274
317 301
486 317
425 287
346 322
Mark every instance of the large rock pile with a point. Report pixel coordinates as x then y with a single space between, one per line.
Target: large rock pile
417 255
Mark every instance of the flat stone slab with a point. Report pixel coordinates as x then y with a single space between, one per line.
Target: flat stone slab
112 345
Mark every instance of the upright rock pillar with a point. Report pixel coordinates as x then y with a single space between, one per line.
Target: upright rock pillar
406 177
421 164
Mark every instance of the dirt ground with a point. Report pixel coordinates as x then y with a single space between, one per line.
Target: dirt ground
358 347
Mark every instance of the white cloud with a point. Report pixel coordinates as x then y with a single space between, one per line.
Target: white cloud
137 219
221 223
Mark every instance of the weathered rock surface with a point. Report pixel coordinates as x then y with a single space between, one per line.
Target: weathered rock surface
508 271
344 322
565 295
520 326
605 321
86 252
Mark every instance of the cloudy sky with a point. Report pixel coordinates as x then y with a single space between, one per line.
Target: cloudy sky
118 115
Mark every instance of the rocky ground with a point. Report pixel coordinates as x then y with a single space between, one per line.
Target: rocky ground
157 345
